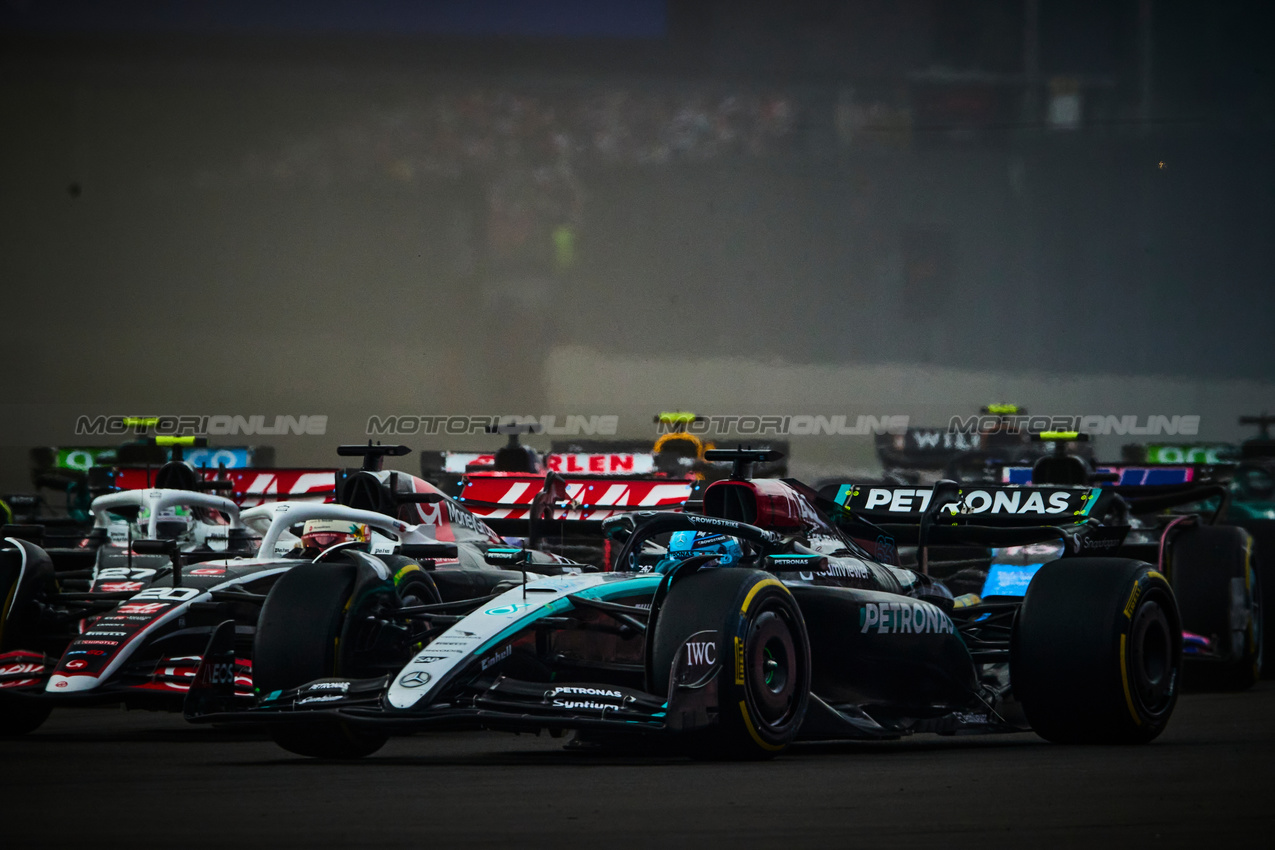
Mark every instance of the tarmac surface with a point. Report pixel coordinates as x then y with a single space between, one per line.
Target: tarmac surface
106 777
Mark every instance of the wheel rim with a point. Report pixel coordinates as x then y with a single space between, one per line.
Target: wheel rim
1151 657
773 673
414 594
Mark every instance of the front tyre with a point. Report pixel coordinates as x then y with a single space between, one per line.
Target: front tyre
19 716
26 580
764 678
1096 653
298 641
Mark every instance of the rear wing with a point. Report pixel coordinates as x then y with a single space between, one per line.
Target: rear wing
47 459
938 448
246 487
924 448
1179 454
981 516
607 462
1140 475
984 504
507 501
1151 489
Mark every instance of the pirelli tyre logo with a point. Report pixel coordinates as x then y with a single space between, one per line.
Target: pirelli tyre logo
739 660
1133 601
904 618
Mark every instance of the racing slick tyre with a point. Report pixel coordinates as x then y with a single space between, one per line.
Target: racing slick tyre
298 640
26 574
1096 651
1263 531
1216 583
19 715
764 678
413 584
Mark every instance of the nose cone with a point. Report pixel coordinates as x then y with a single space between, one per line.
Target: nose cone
59 684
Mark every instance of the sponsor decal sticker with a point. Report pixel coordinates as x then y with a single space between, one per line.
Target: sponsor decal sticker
327 698
912 618
585 704
701 652
601 693
498 657
1003 501
843 569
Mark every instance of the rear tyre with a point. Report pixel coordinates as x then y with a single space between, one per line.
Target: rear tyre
1096 652
764 655
1263 531
1216 583
298 641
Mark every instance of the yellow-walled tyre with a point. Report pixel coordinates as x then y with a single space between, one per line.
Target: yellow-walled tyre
764 680
1096 653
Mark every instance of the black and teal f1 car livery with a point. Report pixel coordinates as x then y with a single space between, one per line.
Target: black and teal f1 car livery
1211 565
126 620
771 618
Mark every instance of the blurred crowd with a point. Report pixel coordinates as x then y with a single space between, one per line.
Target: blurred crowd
489 130
524 151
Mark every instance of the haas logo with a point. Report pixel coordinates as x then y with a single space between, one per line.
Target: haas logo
143 608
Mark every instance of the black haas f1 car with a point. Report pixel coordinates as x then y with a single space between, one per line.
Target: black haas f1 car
561 510
772 617
131 629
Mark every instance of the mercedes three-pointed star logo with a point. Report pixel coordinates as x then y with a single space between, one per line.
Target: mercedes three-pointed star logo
415 679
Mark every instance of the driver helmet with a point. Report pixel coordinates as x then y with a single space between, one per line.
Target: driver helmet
326 533
684 544
680 444
677 452
172 523
1254 483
